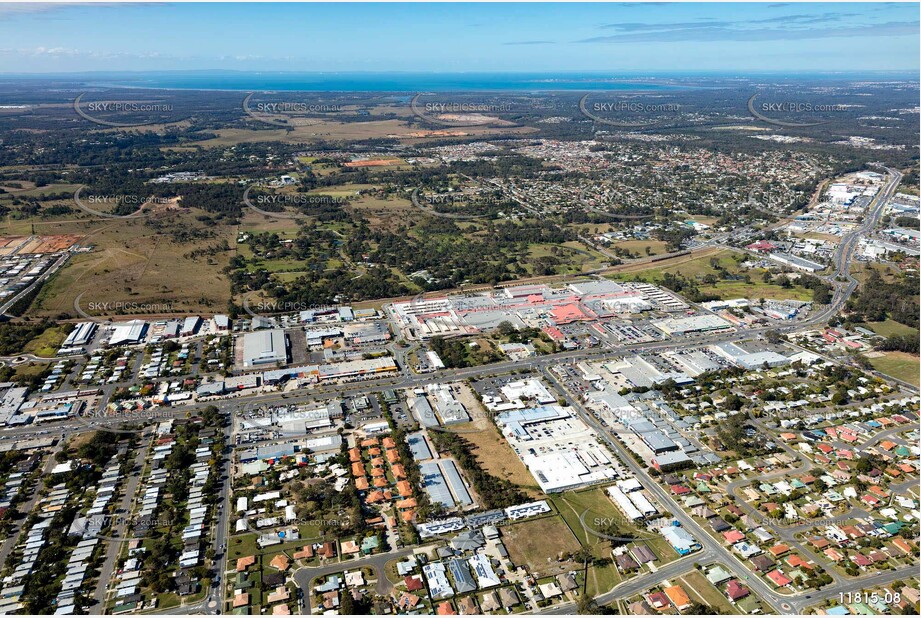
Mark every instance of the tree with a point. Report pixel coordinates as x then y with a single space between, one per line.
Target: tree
347 603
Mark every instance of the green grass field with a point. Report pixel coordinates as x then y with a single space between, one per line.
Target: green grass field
47 344
597 507
890 328
699 267
899 365
701 590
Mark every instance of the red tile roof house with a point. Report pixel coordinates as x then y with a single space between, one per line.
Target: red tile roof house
861 560
779 579
658 600
413 582
736 591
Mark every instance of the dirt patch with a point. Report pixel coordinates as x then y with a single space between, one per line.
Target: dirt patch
540 544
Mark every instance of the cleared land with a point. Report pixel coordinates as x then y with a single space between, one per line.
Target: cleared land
702 591
656 247
599 510
900 365
890 328
539 544
497 458
331 130
134 264
46 345
697 266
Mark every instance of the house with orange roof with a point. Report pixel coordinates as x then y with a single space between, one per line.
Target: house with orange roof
779 550
833 554
887 445
380 482
241 600
350 547
779 579
354 454
280 562
853 532
388 442
374 452
369 442
393 456
797 562
374 497
819 542
445 609
281 610
245 562
409 503
408 515
328 550
361 483
398 471
678 597
305 554
358 469
377 462
903 545
279 594
405 489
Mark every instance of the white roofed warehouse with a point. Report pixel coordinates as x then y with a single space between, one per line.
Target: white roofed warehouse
265 347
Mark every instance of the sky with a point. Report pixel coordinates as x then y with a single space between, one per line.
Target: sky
629 36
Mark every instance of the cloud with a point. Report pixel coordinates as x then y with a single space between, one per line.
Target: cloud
12 9
792 27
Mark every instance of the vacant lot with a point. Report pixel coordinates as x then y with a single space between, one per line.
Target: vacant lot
899 365
698 265
702 591
540 543
656 247
496 456
306 131
135 264
891 328
47 344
